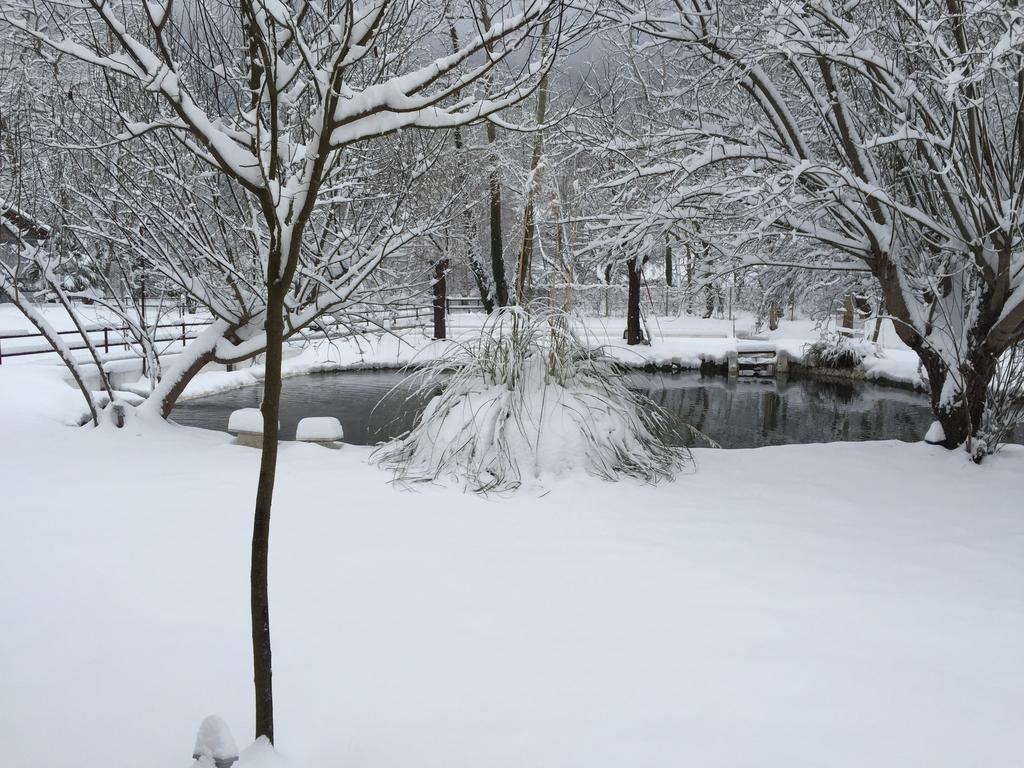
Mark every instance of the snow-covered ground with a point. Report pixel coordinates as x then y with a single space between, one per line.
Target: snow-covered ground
841 605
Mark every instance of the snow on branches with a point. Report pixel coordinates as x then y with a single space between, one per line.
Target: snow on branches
891 134
300 110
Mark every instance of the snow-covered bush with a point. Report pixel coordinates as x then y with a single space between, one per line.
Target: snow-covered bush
837 351
527 396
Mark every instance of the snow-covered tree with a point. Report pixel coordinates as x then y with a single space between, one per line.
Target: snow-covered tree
277 99
889 134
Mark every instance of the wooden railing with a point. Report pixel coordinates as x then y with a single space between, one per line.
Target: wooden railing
106 338
103 338
464 304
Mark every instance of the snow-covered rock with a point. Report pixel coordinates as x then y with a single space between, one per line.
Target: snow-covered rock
935 434
249 420
319 429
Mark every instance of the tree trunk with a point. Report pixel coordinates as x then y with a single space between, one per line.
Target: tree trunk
201 351
848 312
634 335
165 400
669 277
878 322
483 282
607 290
961 415
497 241
710 296
440 297
259 600
532 186
93 352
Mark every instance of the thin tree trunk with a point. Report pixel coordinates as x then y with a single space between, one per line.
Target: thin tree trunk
440 297
93 352
878 322
259 599
496 239
483 282
533 185
607 290
494 181
634 335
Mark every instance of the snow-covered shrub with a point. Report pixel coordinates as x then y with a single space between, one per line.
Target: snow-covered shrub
1004 404
527 396
837 351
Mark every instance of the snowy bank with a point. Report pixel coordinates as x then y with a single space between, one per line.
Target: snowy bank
846 605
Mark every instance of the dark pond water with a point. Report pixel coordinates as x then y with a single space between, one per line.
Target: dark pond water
372 406
753 413
377 405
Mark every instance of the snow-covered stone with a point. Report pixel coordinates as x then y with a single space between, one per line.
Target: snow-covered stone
247 420
319 429
935 434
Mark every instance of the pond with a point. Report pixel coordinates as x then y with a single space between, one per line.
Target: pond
377 405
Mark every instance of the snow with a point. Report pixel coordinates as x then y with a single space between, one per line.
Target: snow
261 754
842 605
246 420
214 739
37 392
936 434
319 428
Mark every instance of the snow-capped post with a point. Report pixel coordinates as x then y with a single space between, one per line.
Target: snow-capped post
215 746
278 118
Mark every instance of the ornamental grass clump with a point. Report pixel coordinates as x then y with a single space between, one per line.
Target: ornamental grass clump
838 352
524 397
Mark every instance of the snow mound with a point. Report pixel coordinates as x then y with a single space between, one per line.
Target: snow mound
261 754
214 740
246 420
936 434
319 429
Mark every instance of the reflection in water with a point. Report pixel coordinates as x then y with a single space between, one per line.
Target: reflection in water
377 405
751 413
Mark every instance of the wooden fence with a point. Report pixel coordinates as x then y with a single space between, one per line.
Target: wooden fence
102 338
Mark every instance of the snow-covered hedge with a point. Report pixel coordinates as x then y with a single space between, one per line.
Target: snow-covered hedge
527 397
